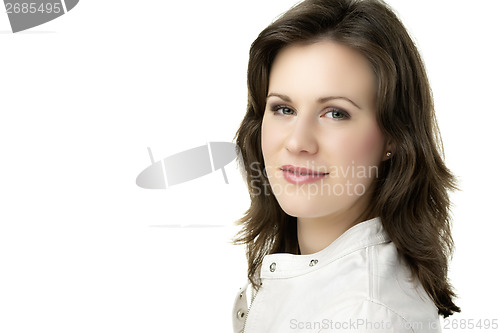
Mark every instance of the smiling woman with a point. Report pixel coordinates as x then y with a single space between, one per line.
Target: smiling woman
349 216
318 133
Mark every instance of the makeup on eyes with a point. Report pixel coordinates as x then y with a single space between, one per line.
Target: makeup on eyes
333 110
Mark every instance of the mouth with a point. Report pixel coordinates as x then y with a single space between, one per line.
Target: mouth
299 171
298 175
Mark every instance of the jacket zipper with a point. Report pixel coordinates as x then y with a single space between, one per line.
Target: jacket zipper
248 311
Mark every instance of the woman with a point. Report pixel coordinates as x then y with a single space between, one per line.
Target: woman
349 226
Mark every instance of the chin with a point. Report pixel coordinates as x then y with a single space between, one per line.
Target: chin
307 207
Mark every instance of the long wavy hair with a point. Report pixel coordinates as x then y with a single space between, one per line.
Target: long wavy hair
411 193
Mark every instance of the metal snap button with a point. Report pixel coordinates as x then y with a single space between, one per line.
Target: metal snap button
240 314
313 262
272 268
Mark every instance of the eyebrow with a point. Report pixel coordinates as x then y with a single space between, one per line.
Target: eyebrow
320 100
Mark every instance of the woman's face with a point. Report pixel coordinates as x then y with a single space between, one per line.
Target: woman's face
320 116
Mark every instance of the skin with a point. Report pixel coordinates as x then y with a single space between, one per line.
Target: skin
339 136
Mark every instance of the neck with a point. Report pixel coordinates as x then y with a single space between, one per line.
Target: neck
316 233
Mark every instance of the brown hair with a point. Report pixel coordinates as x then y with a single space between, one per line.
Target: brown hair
411 192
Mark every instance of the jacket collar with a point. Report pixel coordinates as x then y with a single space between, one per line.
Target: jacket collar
359 236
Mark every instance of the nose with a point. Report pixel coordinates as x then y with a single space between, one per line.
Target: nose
302 137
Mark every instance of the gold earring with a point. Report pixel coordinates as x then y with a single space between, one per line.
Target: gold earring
388 154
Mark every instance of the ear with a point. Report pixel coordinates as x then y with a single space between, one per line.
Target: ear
389 148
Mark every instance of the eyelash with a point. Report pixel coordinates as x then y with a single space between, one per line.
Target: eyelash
276 108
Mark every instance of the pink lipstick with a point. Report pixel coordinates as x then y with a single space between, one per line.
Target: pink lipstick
299 175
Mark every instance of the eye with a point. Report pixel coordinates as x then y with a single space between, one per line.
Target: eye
282 110
337 114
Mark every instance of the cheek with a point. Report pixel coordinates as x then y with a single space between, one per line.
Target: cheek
268 138
363 146
371 144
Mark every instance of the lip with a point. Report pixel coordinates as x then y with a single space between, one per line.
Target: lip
299 175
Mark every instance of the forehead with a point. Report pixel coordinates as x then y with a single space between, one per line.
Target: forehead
320 69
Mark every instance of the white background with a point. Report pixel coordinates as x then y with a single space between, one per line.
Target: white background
83 249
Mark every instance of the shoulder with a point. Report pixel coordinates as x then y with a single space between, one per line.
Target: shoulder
394 293
380 294
391 279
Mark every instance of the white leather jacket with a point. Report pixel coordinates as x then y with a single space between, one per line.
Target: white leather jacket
356 284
